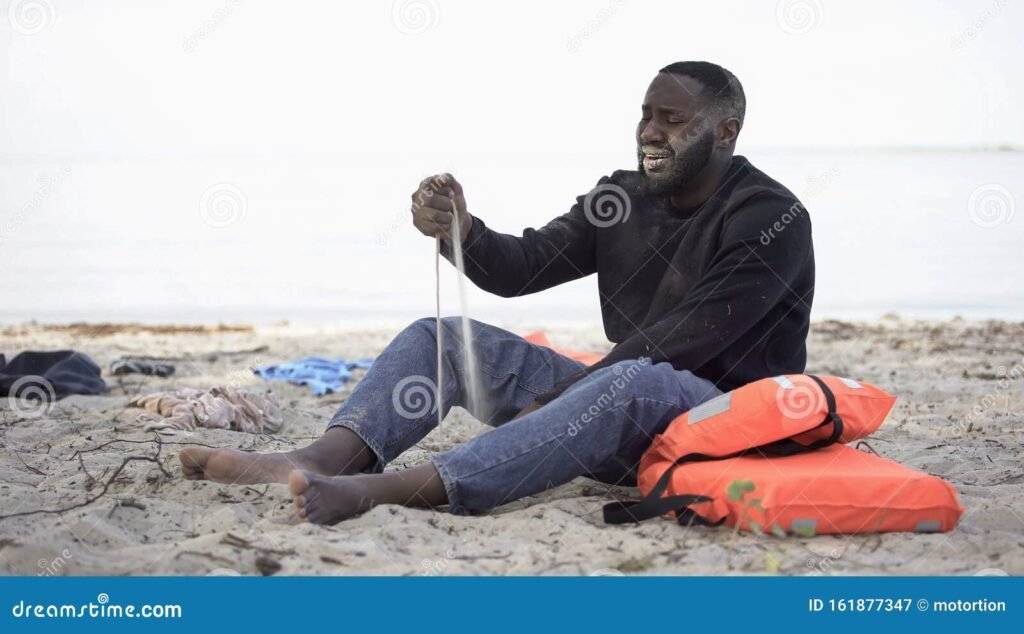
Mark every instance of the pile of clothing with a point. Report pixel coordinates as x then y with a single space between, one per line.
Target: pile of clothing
218 408
50 375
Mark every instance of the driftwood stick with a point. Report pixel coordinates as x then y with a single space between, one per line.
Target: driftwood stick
155 459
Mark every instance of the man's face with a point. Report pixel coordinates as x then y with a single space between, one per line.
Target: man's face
675 138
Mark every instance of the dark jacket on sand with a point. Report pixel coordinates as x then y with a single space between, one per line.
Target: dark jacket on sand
723 290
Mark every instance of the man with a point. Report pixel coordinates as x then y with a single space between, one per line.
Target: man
706 274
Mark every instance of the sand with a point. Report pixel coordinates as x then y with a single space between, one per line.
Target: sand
960 416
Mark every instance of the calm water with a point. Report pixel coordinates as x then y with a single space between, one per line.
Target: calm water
920 234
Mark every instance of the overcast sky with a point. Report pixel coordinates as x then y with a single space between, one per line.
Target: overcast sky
372 79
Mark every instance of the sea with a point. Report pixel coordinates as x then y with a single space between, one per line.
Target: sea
929 234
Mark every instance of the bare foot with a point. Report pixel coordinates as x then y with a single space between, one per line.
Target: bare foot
231 466
339 451
328 500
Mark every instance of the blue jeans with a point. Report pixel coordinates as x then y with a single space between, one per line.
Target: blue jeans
597 428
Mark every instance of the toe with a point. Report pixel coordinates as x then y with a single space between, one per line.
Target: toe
297 482
300 505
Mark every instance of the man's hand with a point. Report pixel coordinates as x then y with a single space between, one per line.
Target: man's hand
532 407
432 204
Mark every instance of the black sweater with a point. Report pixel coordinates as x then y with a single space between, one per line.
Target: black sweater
723 290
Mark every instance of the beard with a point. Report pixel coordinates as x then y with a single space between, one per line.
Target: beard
682 171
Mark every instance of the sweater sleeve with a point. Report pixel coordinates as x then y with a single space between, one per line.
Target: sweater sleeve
511 266
754 269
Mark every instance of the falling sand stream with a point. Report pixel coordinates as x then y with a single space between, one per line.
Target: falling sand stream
472 377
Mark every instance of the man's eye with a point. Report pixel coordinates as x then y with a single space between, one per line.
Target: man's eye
676 121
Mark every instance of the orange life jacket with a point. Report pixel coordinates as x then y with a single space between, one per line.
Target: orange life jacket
764 457
780 415
836 489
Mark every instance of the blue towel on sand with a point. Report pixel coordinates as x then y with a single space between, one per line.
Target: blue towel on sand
323 375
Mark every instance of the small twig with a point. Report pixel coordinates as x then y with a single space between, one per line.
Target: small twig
89 482
27 465
234 540
106 485
141 442
199 554
259 494
129 502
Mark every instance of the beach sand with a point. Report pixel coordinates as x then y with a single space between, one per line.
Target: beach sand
960 415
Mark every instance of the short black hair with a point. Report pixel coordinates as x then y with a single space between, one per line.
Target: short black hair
725 91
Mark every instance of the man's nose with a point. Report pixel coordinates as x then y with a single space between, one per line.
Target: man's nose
650 133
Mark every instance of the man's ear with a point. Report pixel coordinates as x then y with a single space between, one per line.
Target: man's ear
728 130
